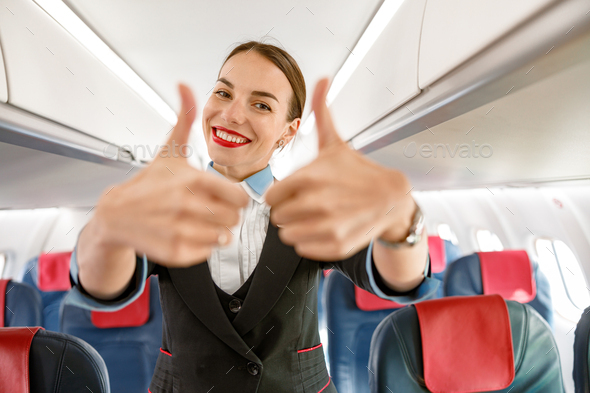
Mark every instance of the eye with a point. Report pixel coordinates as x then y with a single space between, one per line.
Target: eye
262 106
222 93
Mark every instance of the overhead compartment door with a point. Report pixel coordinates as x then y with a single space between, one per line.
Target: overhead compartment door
455 30
388 75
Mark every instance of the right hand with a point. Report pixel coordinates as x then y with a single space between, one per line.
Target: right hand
171 211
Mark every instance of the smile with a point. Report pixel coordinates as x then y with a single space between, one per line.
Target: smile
228 138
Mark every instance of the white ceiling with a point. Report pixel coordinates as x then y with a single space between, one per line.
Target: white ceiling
166 42
537 134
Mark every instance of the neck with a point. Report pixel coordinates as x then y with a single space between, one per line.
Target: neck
237 174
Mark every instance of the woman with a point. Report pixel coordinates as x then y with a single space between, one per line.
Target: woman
246 320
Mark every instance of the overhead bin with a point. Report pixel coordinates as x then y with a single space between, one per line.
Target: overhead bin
387 77
455 30
51 74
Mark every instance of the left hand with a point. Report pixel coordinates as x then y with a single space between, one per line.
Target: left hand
331 208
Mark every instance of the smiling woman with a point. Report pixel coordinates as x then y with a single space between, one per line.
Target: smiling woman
240 115
222 267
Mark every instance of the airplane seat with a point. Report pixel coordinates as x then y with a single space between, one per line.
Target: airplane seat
128 340
581 353
465 344
510 274
49 274
352 315
20 305
34 360
442 253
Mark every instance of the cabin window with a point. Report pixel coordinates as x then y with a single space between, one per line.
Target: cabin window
445 232
488 241
2 263
564 273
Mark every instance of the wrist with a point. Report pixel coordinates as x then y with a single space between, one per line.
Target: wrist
399 230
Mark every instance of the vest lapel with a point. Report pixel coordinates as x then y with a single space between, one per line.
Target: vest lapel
197 290
273 272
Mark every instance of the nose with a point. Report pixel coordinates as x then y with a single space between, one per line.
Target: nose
234 113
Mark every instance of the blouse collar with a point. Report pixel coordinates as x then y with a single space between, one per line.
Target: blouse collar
258 182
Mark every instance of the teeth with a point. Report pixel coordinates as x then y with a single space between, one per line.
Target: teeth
230 138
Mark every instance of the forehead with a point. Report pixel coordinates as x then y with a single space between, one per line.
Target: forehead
253 72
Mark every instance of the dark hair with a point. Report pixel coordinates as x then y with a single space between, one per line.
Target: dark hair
286 64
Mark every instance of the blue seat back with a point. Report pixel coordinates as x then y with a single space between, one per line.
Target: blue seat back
130 353
581 353
463 278
397 361
22 304
51 300
452 253
349 334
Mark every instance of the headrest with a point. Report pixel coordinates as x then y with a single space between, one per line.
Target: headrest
54 271
438 258
3 284
508 274
135 314
366 301
470 334
14 358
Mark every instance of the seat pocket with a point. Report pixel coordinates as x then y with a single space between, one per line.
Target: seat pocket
312 365
163 378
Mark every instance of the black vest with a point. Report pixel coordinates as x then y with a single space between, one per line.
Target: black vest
264 338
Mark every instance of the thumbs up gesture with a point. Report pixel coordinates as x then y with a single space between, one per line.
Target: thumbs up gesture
331 208
171 211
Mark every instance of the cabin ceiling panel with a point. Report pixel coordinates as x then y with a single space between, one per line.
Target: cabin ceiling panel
536 134
52 75
386 77
173 41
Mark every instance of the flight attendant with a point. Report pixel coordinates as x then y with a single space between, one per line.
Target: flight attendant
238 254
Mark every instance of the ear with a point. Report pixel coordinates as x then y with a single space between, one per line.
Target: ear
291 130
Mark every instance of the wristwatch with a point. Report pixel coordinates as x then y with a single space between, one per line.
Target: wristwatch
414 233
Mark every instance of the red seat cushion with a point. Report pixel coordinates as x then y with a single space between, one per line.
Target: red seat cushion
15 344
134 314
54 271
438 257
466 344
366 301
3 284
508 274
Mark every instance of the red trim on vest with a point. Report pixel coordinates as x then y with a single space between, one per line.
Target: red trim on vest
15 345
134 314
467 333
166 352
438 256
508 274
3 285
309 349
329 380
366 301
54 271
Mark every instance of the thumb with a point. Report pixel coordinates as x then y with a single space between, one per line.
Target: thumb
327 134
186 117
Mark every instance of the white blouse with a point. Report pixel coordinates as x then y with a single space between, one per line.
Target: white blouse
232 264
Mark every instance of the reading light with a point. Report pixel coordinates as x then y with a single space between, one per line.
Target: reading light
78 29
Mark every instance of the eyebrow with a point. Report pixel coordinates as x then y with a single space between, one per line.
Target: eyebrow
254 93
